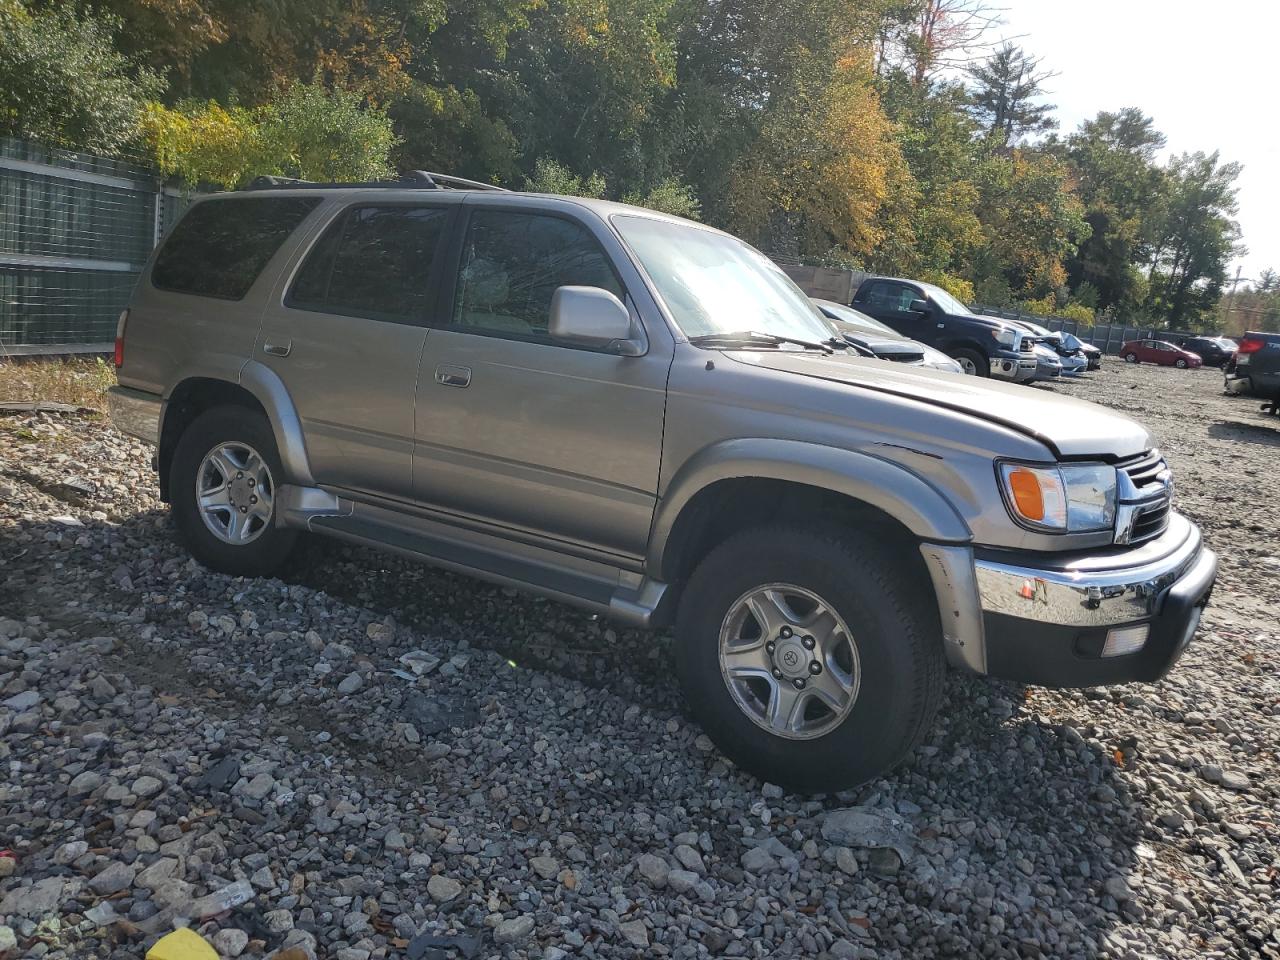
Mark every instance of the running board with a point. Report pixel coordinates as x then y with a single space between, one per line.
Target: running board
582 583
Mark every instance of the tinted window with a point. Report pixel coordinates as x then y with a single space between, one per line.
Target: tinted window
371 262
891 296
220 246
513 262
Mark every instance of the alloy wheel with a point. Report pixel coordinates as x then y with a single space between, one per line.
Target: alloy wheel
789 661
235 493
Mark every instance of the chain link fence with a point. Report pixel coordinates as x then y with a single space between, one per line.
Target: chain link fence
75 231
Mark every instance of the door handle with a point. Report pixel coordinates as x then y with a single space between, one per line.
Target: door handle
450 376
277 349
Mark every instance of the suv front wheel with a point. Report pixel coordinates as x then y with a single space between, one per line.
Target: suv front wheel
222 488
811 660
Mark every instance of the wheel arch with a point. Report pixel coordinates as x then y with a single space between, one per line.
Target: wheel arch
722 488
259 389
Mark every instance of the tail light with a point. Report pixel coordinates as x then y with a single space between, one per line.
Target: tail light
1249 345
120 325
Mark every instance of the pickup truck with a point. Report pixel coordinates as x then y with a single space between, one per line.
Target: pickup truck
643 416
983 346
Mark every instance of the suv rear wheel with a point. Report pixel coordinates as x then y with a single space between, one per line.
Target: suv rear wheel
971 362
222 486
808 662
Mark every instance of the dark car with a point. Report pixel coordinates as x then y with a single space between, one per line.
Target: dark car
881 341
1255 369
1159 352
1214 351
983 346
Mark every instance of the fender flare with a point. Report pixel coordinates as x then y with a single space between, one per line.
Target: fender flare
896 490
265 384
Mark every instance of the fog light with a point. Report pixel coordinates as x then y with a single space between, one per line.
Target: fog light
1122 640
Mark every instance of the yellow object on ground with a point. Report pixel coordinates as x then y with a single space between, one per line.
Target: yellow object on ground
182 944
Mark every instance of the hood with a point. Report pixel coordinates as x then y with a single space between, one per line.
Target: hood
890 348
1069 427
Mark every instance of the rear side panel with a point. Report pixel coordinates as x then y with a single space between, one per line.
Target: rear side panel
172 336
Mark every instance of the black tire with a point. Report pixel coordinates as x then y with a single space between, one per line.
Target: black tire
260 557
1130 358
964 356
1180 364
898 641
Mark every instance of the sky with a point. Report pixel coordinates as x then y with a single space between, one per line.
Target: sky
1205 72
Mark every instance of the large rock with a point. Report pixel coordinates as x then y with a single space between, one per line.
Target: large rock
41 898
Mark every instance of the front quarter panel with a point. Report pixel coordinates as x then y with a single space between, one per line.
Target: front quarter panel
923 453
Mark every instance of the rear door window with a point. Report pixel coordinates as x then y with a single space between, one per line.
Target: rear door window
220 246
373 261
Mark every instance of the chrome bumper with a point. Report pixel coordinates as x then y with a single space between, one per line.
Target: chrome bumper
1092 591
1031 622
135 412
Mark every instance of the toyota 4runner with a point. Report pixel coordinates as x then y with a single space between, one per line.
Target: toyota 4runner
644 417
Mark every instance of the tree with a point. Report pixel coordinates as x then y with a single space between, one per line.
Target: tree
1268 281
1030 219
63 81
308 132
1196 240
925 37
1113 161
1002 94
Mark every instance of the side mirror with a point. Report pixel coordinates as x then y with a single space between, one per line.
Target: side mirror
590 317
919 306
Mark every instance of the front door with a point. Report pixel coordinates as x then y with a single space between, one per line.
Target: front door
516 429
890 303
346 338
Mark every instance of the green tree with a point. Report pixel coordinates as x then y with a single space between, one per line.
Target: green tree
1003 95
1113 161
308 132
63 81
1196 239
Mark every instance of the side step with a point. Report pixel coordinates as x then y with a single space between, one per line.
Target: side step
593 586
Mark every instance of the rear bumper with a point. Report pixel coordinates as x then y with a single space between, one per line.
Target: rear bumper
1049 624
135 412
1046 619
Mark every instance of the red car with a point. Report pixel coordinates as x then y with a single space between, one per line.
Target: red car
1158 351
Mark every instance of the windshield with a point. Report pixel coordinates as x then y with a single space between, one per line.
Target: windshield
946 301
715 284
853 318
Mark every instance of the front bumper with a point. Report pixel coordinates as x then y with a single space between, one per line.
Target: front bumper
135 412
1045 618
1010 365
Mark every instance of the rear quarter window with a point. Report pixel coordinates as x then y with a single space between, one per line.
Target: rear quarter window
220 246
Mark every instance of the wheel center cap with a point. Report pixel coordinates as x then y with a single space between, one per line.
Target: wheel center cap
791 658
238 491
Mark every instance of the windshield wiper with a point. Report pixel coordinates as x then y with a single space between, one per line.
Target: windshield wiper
752 338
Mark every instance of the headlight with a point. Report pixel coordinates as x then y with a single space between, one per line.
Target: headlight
1004 336
1068 498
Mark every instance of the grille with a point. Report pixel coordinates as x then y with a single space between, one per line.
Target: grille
1144 469
1150 523
1149 520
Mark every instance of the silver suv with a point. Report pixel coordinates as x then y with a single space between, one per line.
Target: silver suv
643 416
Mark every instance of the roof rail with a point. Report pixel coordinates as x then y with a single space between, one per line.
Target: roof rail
414 179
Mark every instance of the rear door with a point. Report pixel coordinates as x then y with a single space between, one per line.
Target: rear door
345 334
515 429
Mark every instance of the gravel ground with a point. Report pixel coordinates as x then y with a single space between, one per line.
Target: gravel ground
375 759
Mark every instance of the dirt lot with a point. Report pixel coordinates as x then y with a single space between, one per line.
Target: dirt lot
255 755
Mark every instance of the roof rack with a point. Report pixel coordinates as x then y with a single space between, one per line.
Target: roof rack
414 179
